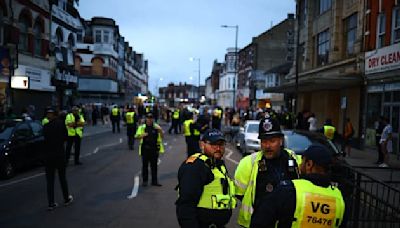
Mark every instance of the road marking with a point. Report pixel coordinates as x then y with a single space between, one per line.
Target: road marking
21 180
228 157
135 188
96 150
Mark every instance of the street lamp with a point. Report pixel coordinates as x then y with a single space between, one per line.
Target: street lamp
236 27
198 89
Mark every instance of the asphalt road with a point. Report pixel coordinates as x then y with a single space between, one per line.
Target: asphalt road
106 189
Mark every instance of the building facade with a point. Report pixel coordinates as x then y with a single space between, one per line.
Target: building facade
182 93
227 80
382 67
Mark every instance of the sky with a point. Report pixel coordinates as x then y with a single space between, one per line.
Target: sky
170 32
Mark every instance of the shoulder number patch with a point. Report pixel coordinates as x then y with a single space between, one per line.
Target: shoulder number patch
191 159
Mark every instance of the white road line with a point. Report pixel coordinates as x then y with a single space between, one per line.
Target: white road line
228 157
135 188
96 150
21 180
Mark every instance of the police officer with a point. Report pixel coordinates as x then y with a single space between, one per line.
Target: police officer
329 130
306 202
216 118
74 122
175 121
192 135
151 145
115 118
258 174
206 193
131 120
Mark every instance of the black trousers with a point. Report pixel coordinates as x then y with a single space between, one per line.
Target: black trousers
174 125
50 170
115 123
130 132
149 156
378 145
76 140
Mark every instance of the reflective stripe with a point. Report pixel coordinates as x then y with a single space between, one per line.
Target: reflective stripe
248 209
240 184
253 158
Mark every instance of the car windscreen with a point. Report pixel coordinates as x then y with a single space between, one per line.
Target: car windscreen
252 128
299 143
5 131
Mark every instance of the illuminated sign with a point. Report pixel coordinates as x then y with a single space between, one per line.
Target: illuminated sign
20 82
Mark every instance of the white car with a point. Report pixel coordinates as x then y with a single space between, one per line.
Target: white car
247 139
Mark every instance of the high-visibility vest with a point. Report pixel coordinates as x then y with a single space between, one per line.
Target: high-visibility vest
70 118
329 132
45 121
245 184
218 113
175 115
147 109
130 117
141 130
114 111
317 206
186 128
213 195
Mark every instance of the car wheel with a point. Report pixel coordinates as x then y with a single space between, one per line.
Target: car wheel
8 169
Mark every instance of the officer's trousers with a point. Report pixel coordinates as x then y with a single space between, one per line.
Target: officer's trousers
76 140
174 126
115 123
130 132
149 156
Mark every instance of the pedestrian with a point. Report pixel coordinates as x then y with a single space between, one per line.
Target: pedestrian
347 136
150 135
312 201
386 142
131 123
115 119
206 192
312 121
203 120
216 118
74 122
378 133
175 122
55 134
260 173
191 130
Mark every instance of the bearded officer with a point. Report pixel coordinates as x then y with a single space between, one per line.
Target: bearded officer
259 173
206 193
311 201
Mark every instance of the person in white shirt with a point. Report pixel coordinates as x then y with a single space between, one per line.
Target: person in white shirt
313 122
386 142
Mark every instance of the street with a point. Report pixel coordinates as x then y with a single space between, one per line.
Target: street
104 188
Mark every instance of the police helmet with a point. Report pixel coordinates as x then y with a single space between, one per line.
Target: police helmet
269 127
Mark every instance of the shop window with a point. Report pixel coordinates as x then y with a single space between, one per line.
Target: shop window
37 31
374 108
381 31
395 118
24 25
351 33
396 25
323 44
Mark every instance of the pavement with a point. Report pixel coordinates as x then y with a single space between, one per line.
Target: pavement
367 158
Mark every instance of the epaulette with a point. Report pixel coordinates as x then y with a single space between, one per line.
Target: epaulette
191 159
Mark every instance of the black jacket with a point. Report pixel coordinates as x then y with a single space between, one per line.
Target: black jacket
280 205
55 133
192 178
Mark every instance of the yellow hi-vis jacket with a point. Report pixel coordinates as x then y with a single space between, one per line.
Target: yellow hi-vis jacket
245 184
175 115
115 111
70 118
141 130
45 121
130 117
329 132
218 113
186 128
317 206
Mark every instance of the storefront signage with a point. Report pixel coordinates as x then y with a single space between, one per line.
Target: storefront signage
383 59
19 82
39 78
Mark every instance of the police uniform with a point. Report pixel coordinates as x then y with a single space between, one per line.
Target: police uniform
115 118
307 202
130 118
206 193
256 176
192 135
75 135
175 122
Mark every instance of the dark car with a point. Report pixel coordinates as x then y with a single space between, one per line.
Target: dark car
21 145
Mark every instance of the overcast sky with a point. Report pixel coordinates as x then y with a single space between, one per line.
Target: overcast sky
169 32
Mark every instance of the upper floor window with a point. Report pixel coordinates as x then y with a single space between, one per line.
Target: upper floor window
323 43
37 30
106 36
79 35
396 25
98 36
62 4
23 33
351 32
381 31
324 5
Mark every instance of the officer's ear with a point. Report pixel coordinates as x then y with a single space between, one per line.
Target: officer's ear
202 145
309 165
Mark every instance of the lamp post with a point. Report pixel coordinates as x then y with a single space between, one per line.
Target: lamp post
236 27
198 89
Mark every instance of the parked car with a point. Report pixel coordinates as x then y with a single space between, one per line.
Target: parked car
21 145
297 140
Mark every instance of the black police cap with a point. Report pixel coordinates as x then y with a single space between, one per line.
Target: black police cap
269 127
213 136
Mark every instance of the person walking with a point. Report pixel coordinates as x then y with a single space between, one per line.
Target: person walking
348 134
216 118
175 121
192 135
260 173
312 121
55 134
130 118
206 192
386 142
312 201
115 118
151 145
74 122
